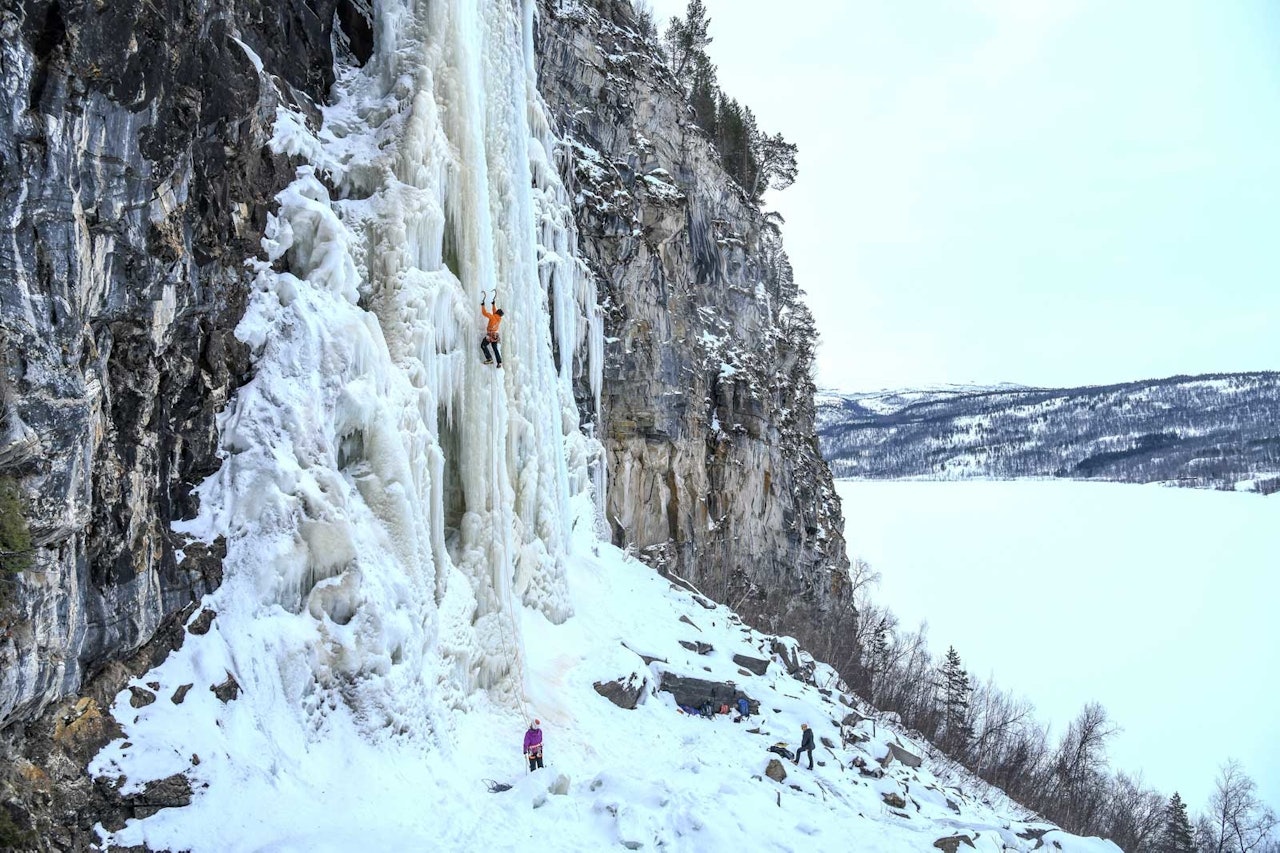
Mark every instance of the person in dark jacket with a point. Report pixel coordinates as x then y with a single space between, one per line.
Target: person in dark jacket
533 745
806 743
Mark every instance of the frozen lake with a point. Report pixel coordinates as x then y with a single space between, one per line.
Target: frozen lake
1160 603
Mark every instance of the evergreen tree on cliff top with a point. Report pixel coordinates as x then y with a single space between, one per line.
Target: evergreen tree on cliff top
758 161
687 39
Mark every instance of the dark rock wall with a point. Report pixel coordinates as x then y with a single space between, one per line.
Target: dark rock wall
134 181
707 409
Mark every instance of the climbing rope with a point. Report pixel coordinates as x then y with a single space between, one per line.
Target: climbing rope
511 645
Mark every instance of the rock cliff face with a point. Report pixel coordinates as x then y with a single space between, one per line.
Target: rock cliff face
135 180
707 412
135 183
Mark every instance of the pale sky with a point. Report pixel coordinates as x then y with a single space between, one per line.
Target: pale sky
1051 192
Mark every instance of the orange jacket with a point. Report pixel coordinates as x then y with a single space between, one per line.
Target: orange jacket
493 319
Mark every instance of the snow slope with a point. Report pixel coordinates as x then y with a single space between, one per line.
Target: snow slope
269 779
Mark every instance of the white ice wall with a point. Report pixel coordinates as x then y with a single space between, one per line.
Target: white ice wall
387 500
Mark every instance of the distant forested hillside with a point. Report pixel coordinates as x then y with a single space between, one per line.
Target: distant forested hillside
1218 431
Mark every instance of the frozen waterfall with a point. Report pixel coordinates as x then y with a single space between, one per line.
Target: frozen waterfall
387 501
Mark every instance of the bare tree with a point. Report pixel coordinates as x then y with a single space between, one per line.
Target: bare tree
1237 821
1134 815
998 717
1080 768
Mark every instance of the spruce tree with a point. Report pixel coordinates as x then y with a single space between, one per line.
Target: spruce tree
957 731
878 658
687 39
1178 836
703 93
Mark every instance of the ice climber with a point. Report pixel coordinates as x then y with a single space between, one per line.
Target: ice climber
806 744
533 739
490 338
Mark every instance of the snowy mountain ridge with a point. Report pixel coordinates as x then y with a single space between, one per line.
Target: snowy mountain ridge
1211 431
888 400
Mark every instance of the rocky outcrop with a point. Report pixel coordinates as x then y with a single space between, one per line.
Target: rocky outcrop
707 411
755 665
910 759
696 692
623 692
43 783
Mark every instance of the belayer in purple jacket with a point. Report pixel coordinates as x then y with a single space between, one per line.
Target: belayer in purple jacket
533 745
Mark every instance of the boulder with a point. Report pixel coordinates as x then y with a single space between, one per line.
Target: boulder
789 654
853 718
227 690
698 646
908 758
696 692
849 735
623 692
140 697
755 665
799 664
894 801
775 770
201 624
952 843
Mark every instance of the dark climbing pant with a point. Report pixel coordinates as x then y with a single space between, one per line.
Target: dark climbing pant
809 750
535 762
485 343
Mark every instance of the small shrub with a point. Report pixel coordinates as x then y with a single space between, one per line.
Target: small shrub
12 836
15 537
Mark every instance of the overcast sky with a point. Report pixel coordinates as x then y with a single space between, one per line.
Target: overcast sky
1050 192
